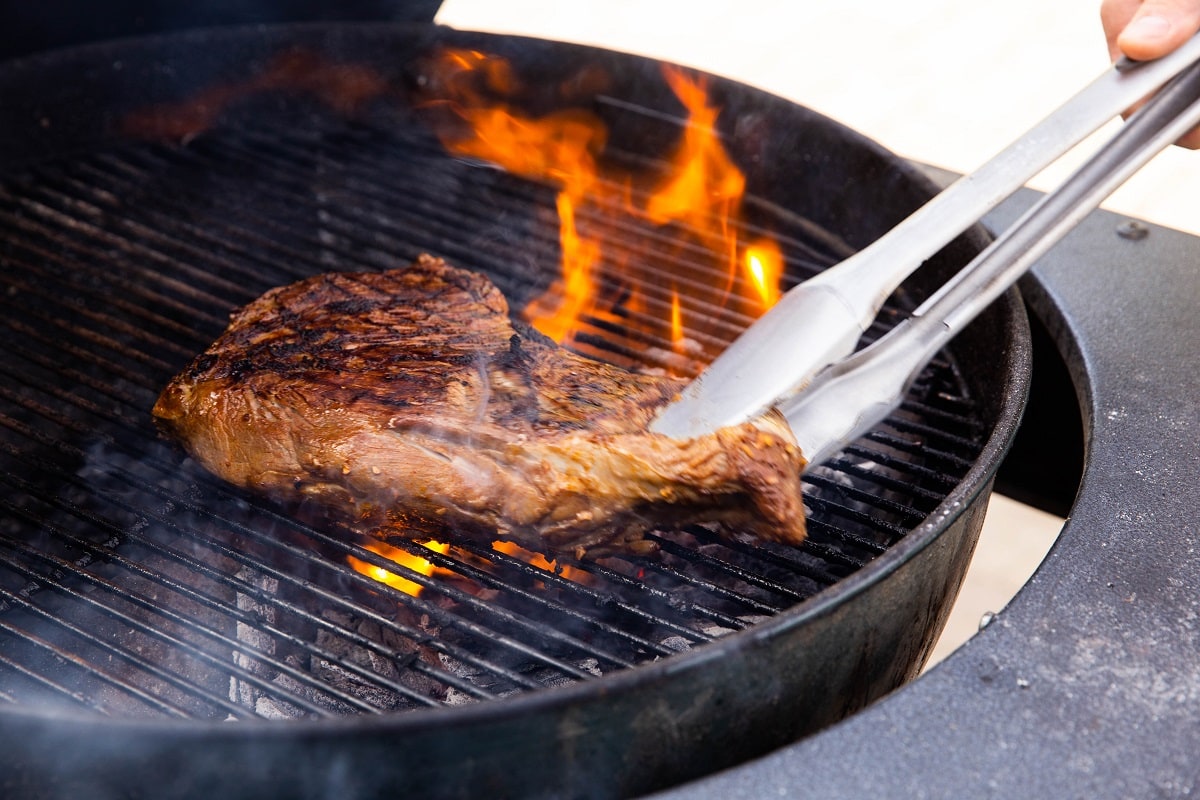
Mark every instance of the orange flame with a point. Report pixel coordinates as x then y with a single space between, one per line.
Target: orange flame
764 266
423 567
677 334
541 562
556 313
701 196
400 557
560 147
706 187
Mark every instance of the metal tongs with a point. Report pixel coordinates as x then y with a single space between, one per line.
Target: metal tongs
798 355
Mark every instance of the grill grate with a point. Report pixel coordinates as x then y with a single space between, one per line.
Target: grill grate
134 584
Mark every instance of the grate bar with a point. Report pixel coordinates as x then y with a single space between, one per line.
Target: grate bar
597 599
284 174
106 240
133 299
361 554
415 635
732 570
671 599
232 612
639 242
122 264
298 556
183 645
39 678
113 651
499 615
687 579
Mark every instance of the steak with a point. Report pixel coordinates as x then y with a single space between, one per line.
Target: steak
410 394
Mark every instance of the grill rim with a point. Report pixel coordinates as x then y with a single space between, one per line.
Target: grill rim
671 669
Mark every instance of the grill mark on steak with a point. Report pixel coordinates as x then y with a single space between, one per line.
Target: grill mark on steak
377 396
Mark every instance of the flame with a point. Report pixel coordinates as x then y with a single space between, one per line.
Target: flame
677 335
705 187
556 313
423 567
699 200
764 266
700 197
541 562
559 147
400 557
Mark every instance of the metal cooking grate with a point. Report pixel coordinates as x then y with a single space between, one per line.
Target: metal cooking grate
132 583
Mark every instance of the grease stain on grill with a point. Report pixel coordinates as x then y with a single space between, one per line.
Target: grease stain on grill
134 584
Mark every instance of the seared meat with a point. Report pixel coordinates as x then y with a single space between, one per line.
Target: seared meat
379 396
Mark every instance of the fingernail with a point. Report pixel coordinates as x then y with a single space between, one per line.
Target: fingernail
1147 28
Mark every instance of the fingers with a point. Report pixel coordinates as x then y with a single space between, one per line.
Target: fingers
1145 29
1115 16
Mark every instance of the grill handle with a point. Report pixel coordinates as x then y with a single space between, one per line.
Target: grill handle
820 321
848 398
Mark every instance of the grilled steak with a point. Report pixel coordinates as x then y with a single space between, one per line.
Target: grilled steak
379 396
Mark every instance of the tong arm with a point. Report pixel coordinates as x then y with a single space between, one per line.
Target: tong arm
819 321
850 397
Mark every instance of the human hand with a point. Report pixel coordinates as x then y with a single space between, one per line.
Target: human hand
1145 29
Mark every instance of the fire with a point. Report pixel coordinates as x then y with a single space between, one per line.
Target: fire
764 265
402 558
422 566
706 186
700 198
559 147
677 334
540 561
555 314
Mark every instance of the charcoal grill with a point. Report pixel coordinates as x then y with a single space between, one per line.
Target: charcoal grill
1086 684
137 589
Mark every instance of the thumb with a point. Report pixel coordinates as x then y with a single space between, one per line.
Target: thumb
1158 27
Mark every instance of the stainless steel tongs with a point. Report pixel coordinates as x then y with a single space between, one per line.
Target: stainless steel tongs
798 355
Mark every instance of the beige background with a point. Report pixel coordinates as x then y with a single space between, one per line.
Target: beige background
944 82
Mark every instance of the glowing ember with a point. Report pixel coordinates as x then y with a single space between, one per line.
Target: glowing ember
700 198
400 557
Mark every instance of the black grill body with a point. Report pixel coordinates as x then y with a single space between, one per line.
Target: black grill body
137 589
1085 683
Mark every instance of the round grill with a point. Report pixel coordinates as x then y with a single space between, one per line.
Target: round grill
143 586
135 586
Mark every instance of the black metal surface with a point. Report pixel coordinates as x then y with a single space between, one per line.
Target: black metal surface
27 28
188 233
1045 463
1088 683
122 262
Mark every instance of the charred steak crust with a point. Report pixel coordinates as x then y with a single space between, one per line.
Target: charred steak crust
378 396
